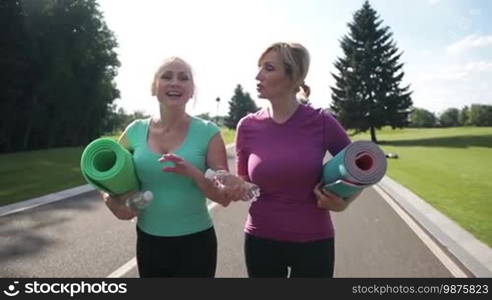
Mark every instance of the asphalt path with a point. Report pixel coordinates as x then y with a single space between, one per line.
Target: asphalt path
79 237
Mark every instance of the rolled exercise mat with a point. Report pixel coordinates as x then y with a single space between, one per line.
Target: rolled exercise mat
357 166
108 166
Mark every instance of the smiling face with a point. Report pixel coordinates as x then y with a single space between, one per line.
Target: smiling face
173 83
272 79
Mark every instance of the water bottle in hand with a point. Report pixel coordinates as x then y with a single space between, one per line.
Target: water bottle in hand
139 200
252 192
219 178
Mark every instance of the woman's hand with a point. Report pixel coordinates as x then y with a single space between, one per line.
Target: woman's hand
181 166
116 205
184 168
330 201
233 187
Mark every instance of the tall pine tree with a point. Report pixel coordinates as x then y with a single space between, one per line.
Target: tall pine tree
240 105
367 94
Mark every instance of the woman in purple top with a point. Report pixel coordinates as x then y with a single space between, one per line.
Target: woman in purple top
281 149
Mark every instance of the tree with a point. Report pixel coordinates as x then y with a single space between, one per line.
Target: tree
217 111
64 54
205 116
464 116
14 65
481 115
450 117
422 118
218 120
367 93
240 105
118 119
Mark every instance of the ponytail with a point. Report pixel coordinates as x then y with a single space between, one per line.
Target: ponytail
305 91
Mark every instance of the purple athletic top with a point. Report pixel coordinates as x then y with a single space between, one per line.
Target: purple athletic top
285 161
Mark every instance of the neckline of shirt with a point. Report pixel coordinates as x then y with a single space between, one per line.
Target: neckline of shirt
293 116
183 143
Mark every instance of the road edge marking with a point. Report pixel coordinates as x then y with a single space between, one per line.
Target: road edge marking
447 262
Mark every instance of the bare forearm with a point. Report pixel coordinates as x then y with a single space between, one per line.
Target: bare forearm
117 207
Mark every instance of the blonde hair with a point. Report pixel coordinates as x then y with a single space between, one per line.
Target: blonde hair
296 59
166 62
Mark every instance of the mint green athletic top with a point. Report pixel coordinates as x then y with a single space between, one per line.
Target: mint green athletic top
179 206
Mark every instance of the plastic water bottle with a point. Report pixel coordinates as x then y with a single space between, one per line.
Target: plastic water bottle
140 200
252 192
218 177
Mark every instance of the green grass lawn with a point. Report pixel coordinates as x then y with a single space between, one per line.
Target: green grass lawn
30 174
26 175
450 168
228 135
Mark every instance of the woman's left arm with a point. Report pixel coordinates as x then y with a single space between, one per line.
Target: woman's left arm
216 160
336 139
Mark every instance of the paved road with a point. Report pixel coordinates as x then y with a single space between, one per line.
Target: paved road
373 241
78 237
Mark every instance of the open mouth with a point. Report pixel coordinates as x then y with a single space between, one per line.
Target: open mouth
174 94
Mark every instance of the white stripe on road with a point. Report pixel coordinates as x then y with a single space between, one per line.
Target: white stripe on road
38 201
455 270
124 269
132 263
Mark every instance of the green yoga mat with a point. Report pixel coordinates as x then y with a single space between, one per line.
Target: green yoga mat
360 165
108 166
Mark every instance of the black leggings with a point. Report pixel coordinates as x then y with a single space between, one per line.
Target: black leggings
270 258
193 255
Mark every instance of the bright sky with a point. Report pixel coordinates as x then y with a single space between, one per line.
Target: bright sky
446 44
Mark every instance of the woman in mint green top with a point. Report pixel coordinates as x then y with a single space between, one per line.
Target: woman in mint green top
175 235
180 208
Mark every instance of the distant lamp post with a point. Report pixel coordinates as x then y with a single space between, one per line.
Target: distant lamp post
217 111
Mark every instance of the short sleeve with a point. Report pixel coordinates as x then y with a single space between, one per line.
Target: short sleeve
335 136
125 139
211 129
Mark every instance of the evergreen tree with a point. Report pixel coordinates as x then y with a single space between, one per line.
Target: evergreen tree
240 105
367 94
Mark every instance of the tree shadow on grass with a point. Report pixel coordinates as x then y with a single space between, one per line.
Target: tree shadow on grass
451 142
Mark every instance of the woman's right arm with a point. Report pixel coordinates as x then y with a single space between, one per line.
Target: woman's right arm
241 153
116 204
